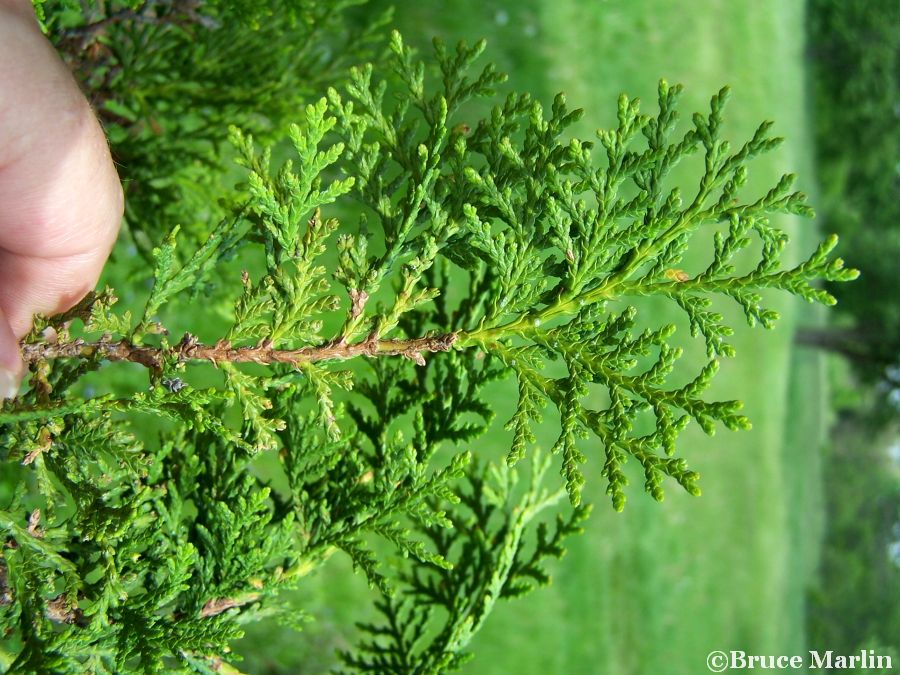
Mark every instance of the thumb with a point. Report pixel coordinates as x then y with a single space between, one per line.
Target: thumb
11 366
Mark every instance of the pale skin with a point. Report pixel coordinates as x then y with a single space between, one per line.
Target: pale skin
60 196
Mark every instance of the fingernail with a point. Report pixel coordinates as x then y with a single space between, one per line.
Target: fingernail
9 384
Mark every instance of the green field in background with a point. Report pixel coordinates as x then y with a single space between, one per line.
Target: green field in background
656 588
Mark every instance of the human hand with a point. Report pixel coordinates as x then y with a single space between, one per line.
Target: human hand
60 197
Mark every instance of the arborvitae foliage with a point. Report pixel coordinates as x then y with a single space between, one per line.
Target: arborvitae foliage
485 250
167 76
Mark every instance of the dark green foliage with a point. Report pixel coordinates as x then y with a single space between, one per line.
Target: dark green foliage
366 370
167 77
855 50
429 627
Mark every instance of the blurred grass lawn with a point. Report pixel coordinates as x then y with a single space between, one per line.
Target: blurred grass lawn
654 589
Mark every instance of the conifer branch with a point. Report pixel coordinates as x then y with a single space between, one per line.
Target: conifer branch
167 548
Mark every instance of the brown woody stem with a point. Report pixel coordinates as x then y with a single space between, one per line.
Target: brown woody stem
190 349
